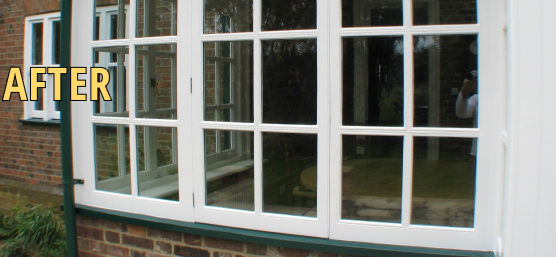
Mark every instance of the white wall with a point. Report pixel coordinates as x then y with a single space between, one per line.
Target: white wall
529 226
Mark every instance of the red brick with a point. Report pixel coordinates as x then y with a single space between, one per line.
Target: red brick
187 251
222 254
289 252
88 254
112 225
114 250
224 244
163 247
158 233
91 233
159 255
82 220
112 237
137 254
83 244
95 246
138 242
192 239
137 230
256 249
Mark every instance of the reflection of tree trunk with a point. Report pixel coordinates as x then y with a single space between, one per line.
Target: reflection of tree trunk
361 82
434 86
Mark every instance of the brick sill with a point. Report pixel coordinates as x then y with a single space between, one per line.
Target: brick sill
275 239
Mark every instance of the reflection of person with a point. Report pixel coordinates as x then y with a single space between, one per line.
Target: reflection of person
468 102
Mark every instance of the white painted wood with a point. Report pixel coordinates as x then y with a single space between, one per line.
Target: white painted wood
528 228
48 111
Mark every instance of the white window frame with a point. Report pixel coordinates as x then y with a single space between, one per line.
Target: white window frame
328 223
49 110
489 29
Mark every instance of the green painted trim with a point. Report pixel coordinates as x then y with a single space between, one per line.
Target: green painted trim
35 121
65 130
275 239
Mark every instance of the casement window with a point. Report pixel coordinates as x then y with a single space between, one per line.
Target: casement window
42 49
332 119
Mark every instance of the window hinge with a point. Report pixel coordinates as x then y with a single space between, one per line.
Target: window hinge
79 181
193 199
191 85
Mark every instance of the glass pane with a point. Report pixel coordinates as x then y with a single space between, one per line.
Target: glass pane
157 162
56 40
229 81
372 178
229 169
36 44
156 18
290 81
289 14
373 81
156 81
427 12
370 13
110 19
290 174
228 16
117 84
112 158
444 181
39 104
441 65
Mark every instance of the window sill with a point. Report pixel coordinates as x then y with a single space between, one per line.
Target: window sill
37 121
275 239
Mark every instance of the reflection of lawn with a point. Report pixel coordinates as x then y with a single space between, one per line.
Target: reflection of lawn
432 179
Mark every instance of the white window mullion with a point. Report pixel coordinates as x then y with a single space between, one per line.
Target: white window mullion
257 107
407 174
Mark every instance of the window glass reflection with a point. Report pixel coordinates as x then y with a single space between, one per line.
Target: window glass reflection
431 12
228 16
157 162
228 84
443 182
156 18
290 174
372 178
229 172
36 43
156 81
112 158
114 59
440 67
373 81
56 42
370 13
110 19
290 81
289 14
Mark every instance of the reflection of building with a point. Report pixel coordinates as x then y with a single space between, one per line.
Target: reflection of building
321 127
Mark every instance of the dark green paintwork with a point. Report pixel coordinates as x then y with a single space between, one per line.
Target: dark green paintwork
65 131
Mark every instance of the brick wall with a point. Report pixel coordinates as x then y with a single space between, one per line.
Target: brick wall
29 154
98 237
